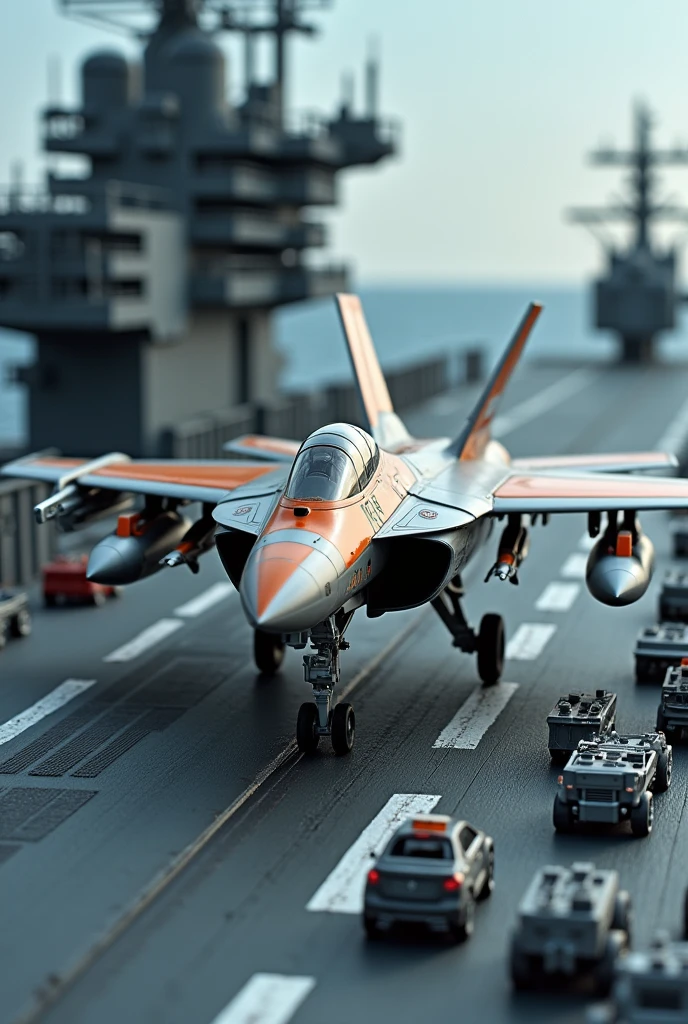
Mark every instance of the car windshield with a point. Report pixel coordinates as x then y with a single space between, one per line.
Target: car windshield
435 849
322 473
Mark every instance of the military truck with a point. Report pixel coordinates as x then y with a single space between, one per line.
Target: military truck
572 922
613 780
673 597
672 713
649 987
657 649
576 717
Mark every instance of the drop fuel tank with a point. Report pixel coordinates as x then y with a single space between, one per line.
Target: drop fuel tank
619 570
134 550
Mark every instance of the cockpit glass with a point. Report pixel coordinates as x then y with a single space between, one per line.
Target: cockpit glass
322 473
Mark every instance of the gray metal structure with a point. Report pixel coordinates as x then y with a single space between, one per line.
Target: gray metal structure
673 598
650 987
149 283
576 717
657 649
672 713
638 296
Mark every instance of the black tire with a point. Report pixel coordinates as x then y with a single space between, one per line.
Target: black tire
463 931
268 652
663 775
371 927
49 600
487 887
604 971
562 816
622 920
559 757
4 633
21 623
491 649
307 736
642 816
519 966
343 729
661 720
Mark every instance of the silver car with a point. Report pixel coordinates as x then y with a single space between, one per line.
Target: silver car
432 872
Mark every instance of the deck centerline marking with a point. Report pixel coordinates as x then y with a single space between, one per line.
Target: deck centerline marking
542 402
557 597
71 972
342 890
475 716
213 595
575 566
52 701
529 640
144 640
267 999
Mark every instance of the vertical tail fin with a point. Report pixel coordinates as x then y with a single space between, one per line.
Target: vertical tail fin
383 422
471 442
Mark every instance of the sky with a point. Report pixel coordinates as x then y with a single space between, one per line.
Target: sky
499 101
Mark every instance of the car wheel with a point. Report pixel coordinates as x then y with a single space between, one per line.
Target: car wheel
487 887
49 600
268 652
491 649
604 971
371 927
463 931
642 816
4 633
663 774
661 720
559 757
519 965
343 728
307 736
21 623
562 816
622 921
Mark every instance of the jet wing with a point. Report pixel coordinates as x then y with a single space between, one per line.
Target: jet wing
587 492
182 480
620 462
257 446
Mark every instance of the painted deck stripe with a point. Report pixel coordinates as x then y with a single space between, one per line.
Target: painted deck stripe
147 638
575 565
530 640
213 595
475 716
267 999
557 597
54 700
342 890
545 400
676 434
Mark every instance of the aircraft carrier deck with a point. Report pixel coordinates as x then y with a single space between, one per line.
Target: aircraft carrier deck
161 838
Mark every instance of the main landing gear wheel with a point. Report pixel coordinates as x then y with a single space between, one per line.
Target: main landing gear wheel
307 735
343 728
491 649
268 652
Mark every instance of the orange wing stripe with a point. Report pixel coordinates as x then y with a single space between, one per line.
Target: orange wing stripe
371 382
522 486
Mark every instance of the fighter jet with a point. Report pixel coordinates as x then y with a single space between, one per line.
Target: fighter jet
359 518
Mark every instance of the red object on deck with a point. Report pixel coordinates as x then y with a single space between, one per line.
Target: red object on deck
64 581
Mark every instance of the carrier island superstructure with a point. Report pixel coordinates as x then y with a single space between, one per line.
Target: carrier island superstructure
149 284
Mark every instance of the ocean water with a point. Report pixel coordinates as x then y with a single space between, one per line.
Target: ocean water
408 323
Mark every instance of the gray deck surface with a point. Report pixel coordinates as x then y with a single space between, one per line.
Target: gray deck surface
181 732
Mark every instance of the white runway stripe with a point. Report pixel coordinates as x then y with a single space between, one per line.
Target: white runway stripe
213 595
545 400
57 698
557 597
529 640
574 566
475 716
267 999
147 638
342 890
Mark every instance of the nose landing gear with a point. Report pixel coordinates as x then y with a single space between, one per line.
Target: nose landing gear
317 717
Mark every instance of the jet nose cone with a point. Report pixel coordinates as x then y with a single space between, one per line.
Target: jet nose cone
283 587
106 565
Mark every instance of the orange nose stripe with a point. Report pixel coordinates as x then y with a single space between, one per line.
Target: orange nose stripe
276 563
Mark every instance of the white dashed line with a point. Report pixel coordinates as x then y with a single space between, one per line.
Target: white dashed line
342 890
213 595
147 638
542 402
557 597
57 698
575 565
267 999
529 640
475 716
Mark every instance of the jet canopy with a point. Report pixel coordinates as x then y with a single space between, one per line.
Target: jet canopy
335 462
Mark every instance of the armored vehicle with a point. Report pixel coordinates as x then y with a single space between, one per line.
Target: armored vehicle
673 598
15 618
431 872
657 649
649 987
613 780
576 717
571 922
672 713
